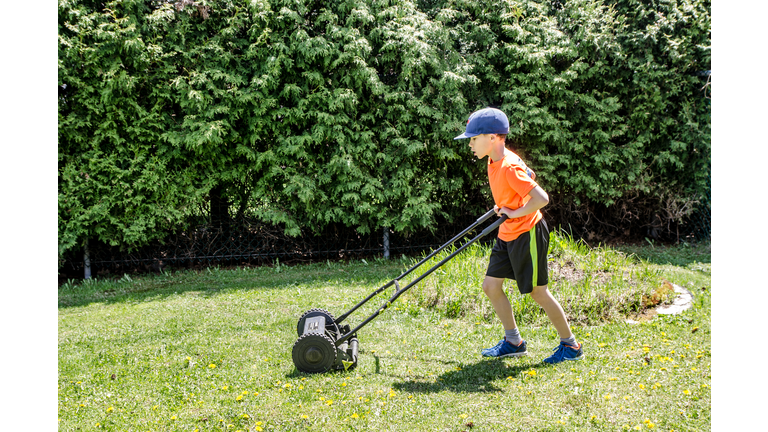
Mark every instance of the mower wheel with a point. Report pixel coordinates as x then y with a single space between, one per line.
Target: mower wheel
314 353
330 325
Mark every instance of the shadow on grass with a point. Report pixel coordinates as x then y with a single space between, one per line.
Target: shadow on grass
211 282
474 378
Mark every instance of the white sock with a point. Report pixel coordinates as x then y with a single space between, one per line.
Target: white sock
513 336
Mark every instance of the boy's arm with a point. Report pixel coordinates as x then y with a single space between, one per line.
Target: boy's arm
539 199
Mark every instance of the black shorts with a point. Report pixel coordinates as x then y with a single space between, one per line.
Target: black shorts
522 259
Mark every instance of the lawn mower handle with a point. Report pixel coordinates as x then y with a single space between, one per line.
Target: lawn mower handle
485 232
480 220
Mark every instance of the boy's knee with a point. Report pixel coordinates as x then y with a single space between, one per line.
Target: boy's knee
539 293
491 286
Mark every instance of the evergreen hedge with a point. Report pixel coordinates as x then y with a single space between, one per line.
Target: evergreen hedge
306 113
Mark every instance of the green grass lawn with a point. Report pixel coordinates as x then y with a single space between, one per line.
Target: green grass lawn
211 350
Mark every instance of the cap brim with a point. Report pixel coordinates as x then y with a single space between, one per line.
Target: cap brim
465 135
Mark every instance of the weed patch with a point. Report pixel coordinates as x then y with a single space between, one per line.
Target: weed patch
594 285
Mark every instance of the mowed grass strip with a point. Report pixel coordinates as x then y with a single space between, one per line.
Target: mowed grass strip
211 351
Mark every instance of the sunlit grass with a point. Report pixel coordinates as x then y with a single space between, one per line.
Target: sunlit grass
211 351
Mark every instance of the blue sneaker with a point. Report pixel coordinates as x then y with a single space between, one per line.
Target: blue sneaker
565 352
506 349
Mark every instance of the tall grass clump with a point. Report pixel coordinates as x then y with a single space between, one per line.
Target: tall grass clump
593 284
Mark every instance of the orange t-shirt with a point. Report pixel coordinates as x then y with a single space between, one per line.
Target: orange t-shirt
511 181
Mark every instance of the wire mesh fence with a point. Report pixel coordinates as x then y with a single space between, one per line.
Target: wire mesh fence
698 226
248 242
254 243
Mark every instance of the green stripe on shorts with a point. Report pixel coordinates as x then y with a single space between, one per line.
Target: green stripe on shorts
534 256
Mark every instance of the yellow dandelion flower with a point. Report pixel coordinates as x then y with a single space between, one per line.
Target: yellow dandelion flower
686 392
650 425
607 397
304 416
259 429
245 416
343 384
464 416
329 402
593 418
642 386
173 417
532 373
638 427
258 423
239 398
110 409
212 366
354 415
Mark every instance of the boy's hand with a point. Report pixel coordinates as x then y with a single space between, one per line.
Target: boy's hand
502 210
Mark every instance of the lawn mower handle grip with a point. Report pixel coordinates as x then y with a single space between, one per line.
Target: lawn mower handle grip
494 225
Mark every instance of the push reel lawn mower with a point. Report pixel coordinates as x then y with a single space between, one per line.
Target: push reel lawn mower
325 343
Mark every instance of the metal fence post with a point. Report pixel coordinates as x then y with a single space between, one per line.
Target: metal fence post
386 242
86 262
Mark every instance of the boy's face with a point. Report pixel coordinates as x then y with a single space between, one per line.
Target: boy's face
482 145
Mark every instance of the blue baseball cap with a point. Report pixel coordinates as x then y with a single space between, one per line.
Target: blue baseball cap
486 121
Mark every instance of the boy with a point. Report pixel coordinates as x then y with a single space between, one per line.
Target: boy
520 252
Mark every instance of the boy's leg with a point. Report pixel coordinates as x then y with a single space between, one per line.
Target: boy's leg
512 345
568 349
494 289
554 311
